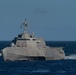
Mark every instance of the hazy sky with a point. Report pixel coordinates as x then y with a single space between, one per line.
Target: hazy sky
55 20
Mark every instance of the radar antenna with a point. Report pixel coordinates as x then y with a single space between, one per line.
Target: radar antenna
25 25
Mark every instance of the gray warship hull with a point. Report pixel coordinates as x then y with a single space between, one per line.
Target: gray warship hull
26 46
23 53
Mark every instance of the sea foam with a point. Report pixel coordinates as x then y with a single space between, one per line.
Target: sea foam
72 56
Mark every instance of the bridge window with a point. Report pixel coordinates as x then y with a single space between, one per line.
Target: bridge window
27 39
30 36
33 39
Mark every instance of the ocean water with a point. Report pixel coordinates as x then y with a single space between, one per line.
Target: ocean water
52 67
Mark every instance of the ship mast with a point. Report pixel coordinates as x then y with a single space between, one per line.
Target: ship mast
25 25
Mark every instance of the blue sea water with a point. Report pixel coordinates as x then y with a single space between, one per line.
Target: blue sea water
52 67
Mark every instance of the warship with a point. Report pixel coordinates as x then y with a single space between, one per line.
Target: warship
26 46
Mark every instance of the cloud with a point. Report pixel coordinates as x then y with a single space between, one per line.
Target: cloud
40 11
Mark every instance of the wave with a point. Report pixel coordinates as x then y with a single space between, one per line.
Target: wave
61 71
72 56
0 54
40 71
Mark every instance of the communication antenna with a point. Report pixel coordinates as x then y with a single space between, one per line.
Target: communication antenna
25 26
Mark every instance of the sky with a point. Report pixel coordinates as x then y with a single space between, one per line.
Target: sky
54 20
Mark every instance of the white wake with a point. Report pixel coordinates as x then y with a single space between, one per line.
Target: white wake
72 56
